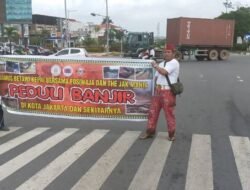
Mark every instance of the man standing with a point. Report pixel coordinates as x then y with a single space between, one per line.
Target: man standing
2 126
163 97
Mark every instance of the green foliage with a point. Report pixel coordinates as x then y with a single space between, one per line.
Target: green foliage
92 45
11 33
115 47
104 21
160 43
45 34
89 41
95 49
39 38
119 34
97 28
241 47
114 35
35 40
242 20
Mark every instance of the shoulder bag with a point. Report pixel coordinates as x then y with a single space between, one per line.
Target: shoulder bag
176 88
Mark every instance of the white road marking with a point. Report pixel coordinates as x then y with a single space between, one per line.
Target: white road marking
241 150
12 129
149 172
20 139
22 159
200 171
99 172
61 163
239 79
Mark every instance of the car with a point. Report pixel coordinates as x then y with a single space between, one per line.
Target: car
6 47
35 50
71 52
19 50
1 48
38 50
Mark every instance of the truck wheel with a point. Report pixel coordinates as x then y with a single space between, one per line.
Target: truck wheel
224 54
213 55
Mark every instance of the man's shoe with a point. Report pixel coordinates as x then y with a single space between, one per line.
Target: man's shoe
146 136
4 129
171 138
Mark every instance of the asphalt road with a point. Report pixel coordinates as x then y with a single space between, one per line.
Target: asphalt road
211 151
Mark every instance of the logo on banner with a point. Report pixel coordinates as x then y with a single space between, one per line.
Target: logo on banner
67 71
56 70
80 71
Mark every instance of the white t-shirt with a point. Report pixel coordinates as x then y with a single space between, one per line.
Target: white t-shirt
173 69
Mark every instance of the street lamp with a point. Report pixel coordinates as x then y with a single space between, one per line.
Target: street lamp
107 24
68 28
67 25
67 39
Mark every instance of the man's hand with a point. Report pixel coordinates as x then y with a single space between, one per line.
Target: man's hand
162 71
154 64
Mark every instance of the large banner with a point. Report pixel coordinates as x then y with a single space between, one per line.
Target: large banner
88 88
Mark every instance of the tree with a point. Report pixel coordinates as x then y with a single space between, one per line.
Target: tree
242 20
88 41
112 34
11 33
104 21
45 34
97 28
119 34
39 37
160 43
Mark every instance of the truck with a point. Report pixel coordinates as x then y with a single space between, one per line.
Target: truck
206 39
136 42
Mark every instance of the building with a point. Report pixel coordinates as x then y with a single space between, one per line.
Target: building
98 31
56 31
16 13
57 28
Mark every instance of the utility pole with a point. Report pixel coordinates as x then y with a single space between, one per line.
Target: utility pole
67 24
107 26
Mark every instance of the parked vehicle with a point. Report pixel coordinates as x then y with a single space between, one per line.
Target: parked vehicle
6 47
209 39
20 50
35 50
1 48
38 50
71 52
247 37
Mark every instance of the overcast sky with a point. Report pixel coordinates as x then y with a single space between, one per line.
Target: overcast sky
135 15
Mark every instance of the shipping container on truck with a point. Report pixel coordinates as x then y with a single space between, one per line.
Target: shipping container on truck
209 39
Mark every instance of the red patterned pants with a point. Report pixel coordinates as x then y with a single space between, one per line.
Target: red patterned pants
163 99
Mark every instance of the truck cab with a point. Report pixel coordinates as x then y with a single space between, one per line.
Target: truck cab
135 42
